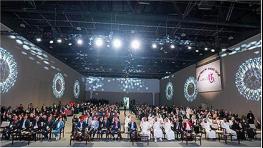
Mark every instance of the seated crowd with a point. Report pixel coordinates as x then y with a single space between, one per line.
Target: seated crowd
157 121
97 118
46 120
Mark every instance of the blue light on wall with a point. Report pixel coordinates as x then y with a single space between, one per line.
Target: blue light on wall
169 91
8 69
248 79
58 85
76 89
190 85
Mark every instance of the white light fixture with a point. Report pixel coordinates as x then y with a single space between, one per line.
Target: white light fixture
172 46
206 48
154 45
196 50
223 49
99 42
38 39
59 40
212 50
12 36
135 44
189 47
79 41
51 42
69 44
116 43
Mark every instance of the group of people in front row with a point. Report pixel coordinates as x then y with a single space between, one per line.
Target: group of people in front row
97 119
155 121
163 121
46 120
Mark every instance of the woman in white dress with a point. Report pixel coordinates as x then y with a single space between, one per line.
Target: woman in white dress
145 126
157 131
168 129
126 122
226 126
211 134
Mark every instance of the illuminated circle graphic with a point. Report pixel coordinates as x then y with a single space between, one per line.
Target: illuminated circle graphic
190 89
8 69
169 91
76 89
248 79
58 86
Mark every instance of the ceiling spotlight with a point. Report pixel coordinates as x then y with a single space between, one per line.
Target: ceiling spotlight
38 39
212 50
116 43
99 42
59 40
172 46
51 42
79 41
196 50
223 49
135 44
69 44
12 36
206 49
154 45
189 47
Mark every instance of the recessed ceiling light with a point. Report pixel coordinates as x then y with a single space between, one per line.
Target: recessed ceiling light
196 50
189 47
51 41
12 36
38 39
206 48
212 50
69 44
59 40
172 46
223 49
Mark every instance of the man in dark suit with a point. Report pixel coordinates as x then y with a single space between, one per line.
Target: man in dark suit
81 125
104 126
115 128
132 128
24 123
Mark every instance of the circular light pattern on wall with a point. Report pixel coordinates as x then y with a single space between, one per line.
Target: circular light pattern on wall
248 79
76 89
8 69
169 91
190 89
58 86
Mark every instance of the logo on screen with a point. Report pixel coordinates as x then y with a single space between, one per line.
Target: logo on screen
211 78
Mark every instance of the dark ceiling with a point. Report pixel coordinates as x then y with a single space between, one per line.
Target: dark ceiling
214 25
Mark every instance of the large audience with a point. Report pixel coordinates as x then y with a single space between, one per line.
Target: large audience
97 117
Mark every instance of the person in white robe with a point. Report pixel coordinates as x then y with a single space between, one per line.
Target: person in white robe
145 127
157 130
226 126
168 129
211 134
126 122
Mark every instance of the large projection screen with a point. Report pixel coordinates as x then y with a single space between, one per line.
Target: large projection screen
208 77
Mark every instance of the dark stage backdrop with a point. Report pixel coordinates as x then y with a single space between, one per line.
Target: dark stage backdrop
36 70
229 97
